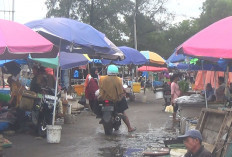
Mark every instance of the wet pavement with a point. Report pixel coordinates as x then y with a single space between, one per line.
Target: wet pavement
86 137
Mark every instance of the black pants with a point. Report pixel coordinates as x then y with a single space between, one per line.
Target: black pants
94 105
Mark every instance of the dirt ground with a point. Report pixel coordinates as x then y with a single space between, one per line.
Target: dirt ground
86 137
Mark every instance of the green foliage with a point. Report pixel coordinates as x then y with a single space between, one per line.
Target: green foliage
184 86
104 15
214 10
115 18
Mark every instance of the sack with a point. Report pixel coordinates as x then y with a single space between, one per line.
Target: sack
82 101
169 109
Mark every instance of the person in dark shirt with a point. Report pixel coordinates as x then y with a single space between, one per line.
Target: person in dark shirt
193 142
41 80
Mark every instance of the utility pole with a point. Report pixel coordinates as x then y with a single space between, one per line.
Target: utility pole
13 11
9 11
135 29
135 35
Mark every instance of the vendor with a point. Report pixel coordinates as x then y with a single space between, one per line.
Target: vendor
16 91
209 93
220 91
41 80
175 93
193 143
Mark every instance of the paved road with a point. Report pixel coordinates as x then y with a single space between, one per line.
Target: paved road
86 137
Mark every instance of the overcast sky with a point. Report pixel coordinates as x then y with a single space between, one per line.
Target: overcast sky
28 10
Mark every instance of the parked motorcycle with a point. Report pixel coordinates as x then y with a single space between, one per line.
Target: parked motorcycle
110 118
42 111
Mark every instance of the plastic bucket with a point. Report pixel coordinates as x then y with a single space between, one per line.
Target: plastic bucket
159 95
69 108
53 133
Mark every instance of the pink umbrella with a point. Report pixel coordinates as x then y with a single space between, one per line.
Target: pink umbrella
213 41
17 41
152 69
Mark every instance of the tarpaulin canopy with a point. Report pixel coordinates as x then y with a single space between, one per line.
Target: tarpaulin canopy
209 77
18 41
67 61
153 57
74 36
132 57
152 69
213 41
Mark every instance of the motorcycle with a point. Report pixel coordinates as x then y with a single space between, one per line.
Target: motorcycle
167 94
110 118
42 111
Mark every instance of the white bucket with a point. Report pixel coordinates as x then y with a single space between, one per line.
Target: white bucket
53 133
69 108
159 95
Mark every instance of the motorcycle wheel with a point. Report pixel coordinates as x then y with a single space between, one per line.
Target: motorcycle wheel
116 127
42 130
108 128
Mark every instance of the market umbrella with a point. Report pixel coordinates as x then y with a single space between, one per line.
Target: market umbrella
19 61
67 61
213 41
18 41
74 36
152 69
132 57
176 58
153 57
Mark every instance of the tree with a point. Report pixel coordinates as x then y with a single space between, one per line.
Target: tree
151 17
214 10
104 15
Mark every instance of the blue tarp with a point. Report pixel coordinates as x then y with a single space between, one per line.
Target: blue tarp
208 67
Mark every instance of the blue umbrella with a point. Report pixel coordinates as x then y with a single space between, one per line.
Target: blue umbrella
19 61
66 61
74 36
175 58
132 56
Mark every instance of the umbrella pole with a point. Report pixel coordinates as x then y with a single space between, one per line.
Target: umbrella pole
3 82
56 88
227 85
152 79
204 77
123 72
215 83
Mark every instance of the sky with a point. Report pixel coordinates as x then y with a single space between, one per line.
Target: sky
28 10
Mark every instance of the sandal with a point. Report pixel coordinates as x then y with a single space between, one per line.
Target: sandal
133 129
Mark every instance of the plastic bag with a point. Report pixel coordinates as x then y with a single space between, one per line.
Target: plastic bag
82 101
169 109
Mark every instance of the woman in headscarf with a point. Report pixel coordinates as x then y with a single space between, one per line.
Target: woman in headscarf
91 88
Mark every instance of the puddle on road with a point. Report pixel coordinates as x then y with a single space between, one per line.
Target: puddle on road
129 145
116 151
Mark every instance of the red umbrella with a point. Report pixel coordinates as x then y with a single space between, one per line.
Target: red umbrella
153 69
213 41
17 41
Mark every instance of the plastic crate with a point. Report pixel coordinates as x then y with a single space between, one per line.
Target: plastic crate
136 87
79 89
4 97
